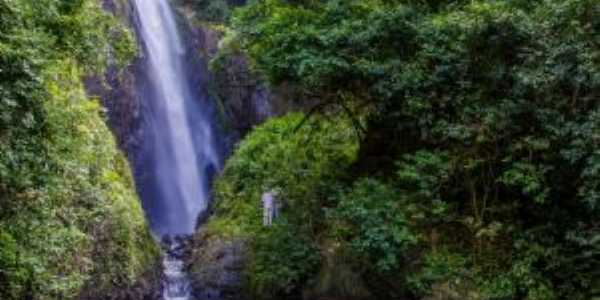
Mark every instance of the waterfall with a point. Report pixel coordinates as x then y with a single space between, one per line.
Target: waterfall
178 154
180 150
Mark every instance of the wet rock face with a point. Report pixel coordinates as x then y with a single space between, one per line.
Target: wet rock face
123 108
245 100
216 266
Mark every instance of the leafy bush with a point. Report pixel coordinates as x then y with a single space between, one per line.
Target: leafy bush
439 266
372 219
282 261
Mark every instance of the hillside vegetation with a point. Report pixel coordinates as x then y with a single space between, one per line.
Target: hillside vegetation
453 152
69 216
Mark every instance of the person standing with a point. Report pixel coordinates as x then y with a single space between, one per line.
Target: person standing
268 203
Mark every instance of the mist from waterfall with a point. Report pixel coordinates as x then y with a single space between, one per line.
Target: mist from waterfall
179 147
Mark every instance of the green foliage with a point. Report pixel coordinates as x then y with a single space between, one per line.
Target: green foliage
302 164
9 266
439 266
68 210
482 134
283 260
337 43
372 219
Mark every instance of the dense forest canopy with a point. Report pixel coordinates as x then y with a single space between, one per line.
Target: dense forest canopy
477 170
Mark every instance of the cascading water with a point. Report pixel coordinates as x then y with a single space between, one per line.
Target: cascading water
176 176
176 285
178 154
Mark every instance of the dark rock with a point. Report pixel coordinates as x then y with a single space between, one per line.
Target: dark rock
216 266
